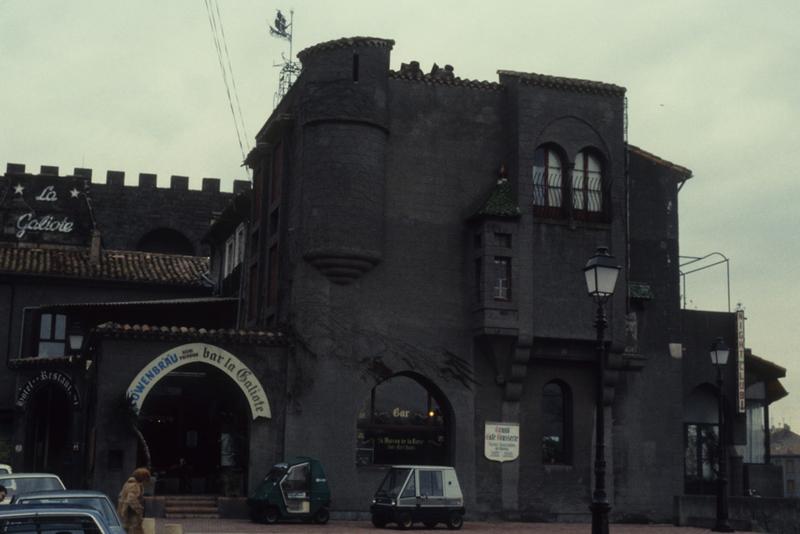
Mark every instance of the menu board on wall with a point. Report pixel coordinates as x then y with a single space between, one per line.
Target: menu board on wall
501 441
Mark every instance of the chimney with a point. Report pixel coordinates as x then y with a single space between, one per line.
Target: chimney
95 248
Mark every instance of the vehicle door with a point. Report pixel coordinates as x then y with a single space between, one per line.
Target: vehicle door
431 494
407 500
296 489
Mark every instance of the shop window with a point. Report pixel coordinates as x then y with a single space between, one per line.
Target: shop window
502 278
587 186
701 458
52 335
401 422
548 183
556 424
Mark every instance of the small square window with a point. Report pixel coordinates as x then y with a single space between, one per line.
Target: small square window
502 239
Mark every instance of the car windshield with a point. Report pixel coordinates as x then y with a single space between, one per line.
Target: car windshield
15 485
393 482
101 504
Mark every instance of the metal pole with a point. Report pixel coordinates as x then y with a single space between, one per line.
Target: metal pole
722 480
600 506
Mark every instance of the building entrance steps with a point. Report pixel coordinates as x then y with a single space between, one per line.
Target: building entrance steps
191 506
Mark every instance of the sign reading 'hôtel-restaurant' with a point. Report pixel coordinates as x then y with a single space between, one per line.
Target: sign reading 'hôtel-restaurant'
46 209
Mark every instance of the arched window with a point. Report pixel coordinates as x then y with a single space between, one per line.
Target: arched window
556 424
548 184
401 423
587 185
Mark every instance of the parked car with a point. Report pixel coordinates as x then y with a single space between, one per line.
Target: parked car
52 518
297 489
93 499
5 469
27 482
419 493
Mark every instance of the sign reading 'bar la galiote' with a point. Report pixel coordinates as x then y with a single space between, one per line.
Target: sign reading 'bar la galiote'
223 360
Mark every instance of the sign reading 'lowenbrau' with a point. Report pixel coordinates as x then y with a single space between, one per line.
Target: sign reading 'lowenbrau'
170 360
501 441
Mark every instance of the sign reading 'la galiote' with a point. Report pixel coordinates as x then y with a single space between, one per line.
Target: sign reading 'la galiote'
46 209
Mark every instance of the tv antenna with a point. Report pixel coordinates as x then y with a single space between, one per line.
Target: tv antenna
289 69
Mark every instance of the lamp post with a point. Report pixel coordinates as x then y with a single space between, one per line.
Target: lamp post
601 273
719 357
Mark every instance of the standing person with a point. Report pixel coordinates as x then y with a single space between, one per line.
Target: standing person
130 505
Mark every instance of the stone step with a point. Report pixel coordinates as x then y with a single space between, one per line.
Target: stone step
190 508
189 502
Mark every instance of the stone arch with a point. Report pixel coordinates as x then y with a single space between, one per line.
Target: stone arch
405 418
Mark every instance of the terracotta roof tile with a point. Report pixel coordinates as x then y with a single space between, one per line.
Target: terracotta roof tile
569 84
139 331
346 42
128 266
438 80
683 171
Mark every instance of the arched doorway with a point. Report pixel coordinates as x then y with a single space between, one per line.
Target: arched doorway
405 420
196 423
48 422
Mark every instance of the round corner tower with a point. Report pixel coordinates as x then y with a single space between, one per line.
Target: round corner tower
343 114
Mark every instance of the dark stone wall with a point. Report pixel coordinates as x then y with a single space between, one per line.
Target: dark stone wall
648 415
127 213
441 147
121 360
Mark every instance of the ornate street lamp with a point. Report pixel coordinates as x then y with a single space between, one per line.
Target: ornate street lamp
719 357
601 273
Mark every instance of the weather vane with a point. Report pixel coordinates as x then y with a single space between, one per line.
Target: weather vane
289 68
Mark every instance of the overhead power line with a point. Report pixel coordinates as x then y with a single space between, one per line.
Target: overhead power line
228 79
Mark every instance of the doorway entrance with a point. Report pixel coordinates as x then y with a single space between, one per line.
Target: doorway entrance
48 432
195 421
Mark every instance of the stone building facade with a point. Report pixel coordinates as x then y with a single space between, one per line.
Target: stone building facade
402 285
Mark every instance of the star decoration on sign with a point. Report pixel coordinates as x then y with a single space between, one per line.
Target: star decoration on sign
74 193
18 189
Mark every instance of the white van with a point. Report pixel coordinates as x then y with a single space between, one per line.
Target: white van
427 494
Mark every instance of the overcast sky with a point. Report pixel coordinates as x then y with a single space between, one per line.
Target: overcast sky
136 86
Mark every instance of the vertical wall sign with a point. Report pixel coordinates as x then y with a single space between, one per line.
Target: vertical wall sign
501 441
740 360
223 360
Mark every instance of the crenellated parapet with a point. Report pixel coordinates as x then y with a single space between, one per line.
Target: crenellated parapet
56 206
117 178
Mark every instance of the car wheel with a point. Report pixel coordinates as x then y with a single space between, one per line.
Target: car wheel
322 516
430 524
455 521
271 515
404 520
378 522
